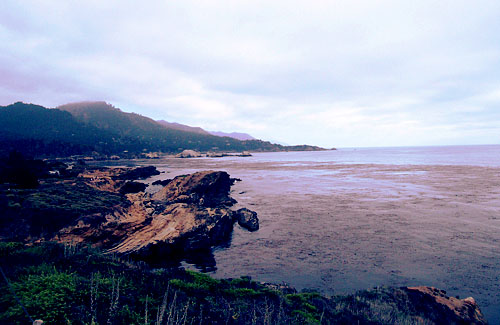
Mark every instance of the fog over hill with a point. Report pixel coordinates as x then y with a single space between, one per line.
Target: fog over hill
183 127
234 135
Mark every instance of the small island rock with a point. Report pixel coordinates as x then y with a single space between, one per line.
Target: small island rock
188 154
247 219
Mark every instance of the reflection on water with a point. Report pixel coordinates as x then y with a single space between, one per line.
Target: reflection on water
339 221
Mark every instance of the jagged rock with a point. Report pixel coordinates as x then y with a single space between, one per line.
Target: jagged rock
207 188
138 173
190 213
163 182
188 154
179 228
132 187
247 219
442 309
101 208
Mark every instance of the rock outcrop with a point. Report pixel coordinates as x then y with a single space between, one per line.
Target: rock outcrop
442 309
162 182
191 212
178 229
208 189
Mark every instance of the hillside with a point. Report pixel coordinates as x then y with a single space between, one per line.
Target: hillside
98 127
33 129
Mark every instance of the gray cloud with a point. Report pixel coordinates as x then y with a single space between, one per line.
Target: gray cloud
342 73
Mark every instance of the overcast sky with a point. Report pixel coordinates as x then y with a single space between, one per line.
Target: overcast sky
329 73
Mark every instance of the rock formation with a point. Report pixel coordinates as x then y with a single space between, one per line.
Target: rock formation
138 173
188 154
247 219
191 212
442 309
208 189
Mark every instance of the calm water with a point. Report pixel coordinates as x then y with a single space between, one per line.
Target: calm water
351 219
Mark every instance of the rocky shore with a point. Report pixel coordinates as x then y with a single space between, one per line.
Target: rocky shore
108 208
189 213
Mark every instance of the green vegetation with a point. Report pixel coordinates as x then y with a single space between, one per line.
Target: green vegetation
80 285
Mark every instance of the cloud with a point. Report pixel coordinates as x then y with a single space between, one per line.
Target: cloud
331 73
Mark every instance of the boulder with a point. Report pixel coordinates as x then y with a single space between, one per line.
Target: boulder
188 154
247 219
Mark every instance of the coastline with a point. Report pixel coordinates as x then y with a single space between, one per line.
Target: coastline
390 224
372 170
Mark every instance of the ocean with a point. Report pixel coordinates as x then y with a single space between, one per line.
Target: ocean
355 218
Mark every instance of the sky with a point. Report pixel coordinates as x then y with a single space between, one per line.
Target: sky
347 73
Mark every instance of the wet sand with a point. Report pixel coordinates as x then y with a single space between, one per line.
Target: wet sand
343 227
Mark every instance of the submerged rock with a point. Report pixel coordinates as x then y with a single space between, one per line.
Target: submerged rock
247 219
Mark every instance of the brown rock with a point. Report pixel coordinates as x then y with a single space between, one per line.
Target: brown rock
179 228
190 213
207 188
443 309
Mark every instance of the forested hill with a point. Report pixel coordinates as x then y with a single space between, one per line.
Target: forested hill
97 127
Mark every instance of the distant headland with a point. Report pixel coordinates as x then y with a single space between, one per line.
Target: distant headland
99 129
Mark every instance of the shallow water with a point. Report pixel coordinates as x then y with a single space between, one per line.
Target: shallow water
339 221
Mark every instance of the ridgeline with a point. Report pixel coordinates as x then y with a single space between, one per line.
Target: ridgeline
97 128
